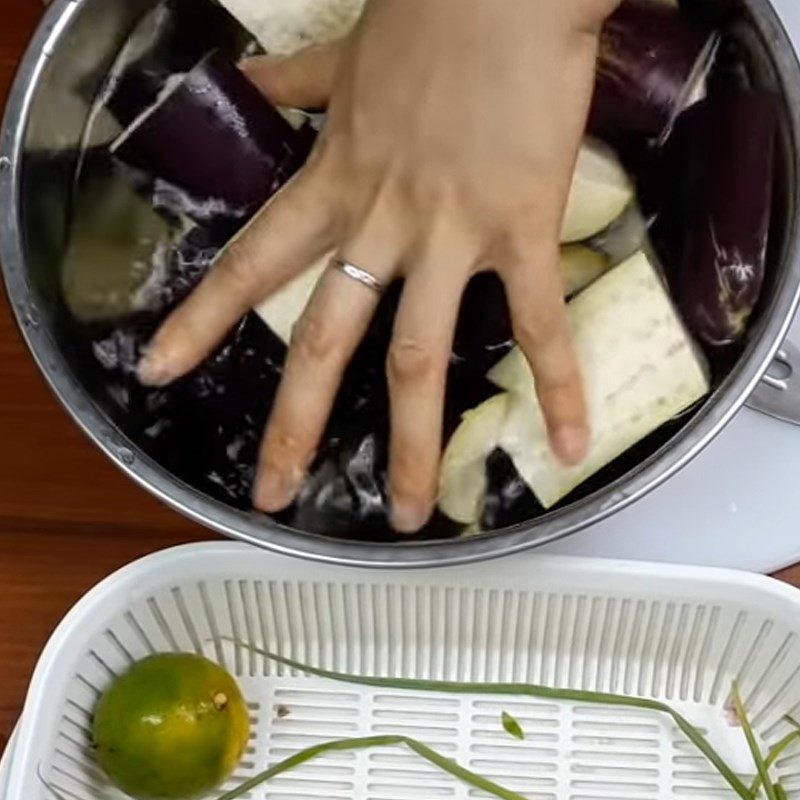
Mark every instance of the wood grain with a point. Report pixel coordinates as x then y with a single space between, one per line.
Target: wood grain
67 516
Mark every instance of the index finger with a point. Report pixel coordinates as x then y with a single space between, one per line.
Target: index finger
288 234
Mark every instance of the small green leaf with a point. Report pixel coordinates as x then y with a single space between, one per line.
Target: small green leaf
512 727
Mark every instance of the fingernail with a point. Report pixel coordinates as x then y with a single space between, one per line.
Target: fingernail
570 444
409 516
154 370
276 491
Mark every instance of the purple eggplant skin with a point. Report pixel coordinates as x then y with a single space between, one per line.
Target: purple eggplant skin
650 55
726 202
170 38
218 139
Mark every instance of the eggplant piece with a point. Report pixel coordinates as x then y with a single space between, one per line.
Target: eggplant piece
463 478
285 26
581 266
728 144
640 370
114 242
281 310
113 245
214 136
171 38
601 191
652 64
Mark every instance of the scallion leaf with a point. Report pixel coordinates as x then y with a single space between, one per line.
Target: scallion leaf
368 742
755 750
530 690
772 757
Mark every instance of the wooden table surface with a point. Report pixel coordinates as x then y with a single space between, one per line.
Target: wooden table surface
67 516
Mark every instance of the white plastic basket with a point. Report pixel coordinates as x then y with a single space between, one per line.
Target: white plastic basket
677 634
5 764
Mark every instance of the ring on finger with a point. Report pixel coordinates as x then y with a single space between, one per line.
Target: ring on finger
358 274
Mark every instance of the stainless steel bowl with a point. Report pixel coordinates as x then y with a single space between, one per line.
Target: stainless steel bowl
45 120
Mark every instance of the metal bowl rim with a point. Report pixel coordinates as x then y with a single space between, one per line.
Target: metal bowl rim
258 529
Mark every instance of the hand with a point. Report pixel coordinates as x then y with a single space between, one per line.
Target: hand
451 139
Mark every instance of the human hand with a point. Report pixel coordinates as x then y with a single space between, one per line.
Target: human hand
449 147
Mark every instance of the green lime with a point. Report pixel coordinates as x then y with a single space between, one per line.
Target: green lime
171 728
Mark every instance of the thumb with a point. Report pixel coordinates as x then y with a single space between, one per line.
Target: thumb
303 80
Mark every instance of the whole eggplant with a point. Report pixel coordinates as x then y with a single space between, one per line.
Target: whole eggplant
214 136
727 146
653 59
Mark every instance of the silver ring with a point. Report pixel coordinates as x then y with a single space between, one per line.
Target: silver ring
357 274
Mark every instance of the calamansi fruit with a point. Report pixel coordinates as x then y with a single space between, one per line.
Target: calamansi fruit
171 728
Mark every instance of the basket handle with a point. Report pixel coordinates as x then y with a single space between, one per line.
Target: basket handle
778 394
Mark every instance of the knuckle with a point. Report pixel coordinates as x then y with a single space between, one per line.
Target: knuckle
410 361
564 380
286 446
315 340
535 330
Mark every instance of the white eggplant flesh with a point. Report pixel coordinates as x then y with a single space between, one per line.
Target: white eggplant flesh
640 370
462 480
281 310
581 266
284 26
512 373
601 191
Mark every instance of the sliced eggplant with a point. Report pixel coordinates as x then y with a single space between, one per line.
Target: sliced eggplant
601 191
115 240
512 374
581 266
653 63
169 39
285 26
640 369
463 480
212 134
281 310
728 149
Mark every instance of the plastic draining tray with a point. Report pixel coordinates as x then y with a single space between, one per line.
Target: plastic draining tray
677 634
